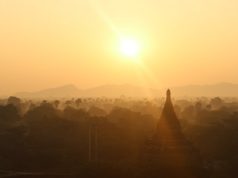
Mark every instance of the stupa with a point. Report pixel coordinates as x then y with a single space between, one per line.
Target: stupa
168 153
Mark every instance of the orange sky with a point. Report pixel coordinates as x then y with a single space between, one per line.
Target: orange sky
48 43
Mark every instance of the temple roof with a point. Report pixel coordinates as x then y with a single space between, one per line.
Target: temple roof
169 153
168 120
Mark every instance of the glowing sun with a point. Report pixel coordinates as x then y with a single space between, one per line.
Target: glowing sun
129 47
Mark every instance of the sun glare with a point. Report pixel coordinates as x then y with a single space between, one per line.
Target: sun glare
129 47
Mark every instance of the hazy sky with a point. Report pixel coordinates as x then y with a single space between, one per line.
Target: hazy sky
48 43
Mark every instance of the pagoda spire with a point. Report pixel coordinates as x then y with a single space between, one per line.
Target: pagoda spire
168 153
168 122
168 95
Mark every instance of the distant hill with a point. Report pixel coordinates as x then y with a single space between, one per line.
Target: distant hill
69 91
59 92
221 89
121 90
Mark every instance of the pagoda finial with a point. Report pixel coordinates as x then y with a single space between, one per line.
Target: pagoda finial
168 94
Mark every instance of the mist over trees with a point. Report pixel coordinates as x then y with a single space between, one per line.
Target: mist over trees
104 136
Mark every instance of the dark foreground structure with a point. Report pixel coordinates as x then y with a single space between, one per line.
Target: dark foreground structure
168 153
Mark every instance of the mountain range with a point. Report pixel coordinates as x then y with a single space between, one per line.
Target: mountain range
67 91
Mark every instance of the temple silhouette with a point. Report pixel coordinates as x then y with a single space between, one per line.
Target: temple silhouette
168 153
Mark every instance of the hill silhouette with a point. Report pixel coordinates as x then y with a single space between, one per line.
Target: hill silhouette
221 89
100 91
58 92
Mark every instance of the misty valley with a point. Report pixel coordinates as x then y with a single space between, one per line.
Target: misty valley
118 137
118 89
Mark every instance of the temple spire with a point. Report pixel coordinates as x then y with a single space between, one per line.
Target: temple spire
168 121
168 96
168 93
169 153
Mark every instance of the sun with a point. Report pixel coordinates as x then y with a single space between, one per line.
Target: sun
129 47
